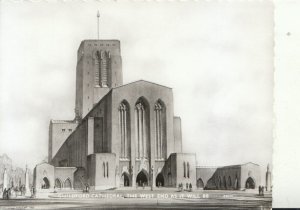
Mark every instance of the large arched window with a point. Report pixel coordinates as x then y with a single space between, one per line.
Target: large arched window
142 128
160 129
124 129
102 63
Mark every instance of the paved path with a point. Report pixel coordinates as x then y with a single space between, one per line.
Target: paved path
163 199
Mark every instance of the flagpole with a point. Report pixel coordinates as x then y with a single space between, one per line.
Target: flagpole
98 16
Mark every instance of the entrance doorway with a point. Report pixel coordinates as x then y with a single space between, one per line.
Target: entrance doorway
142 179
57 184
229 183
125 179
236 183
160 181
250 184
224 183
200 183
46 183
67 184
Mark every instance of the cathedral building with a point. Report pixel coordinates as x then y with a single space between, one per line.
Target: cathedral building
123 135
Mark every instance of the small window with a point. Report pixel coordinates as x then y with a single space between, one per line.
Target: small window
188 170
88 85
88 72
95 44
107 169
107 44
70 130
103 167
88 97
101 44
63 130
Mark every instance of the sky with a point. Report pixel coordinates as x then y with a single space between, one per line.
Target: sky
217 57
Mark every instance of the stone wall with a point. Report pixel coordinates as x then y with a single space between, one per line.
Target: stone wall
187 176
251 170
73 152
43 174
177 135
64 175
203 174
169 171
102 170
59 131
229 177
226 178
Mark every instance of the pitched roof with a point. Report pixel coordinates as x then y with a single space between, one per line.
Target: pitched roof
139 81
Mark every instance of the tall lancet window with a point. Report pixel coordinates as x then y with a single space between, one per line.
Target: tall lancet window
124 129
142 129
160 130
102 63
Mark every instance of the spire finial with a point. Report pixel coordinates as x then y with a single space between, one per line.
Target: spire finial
98 16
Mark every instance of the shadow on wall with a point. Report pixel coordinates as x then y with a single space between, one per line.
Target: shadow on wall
236 177
225 178
80 179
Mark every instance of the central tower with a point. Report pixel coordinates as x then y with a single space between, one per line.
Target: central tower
99 68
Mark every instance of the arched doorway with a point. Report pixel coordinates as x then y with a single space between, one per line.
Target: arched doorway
142 178
224 182
169 179
236 184
45 183
250 184
219 182
200 183
229 185
67 184
160 181
58 184
125 179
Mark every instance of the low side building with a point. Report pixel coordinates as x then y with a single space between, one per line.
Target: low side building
235 177
48 178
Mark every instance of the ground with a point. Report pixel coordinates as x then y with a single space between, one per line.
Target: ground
163 198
